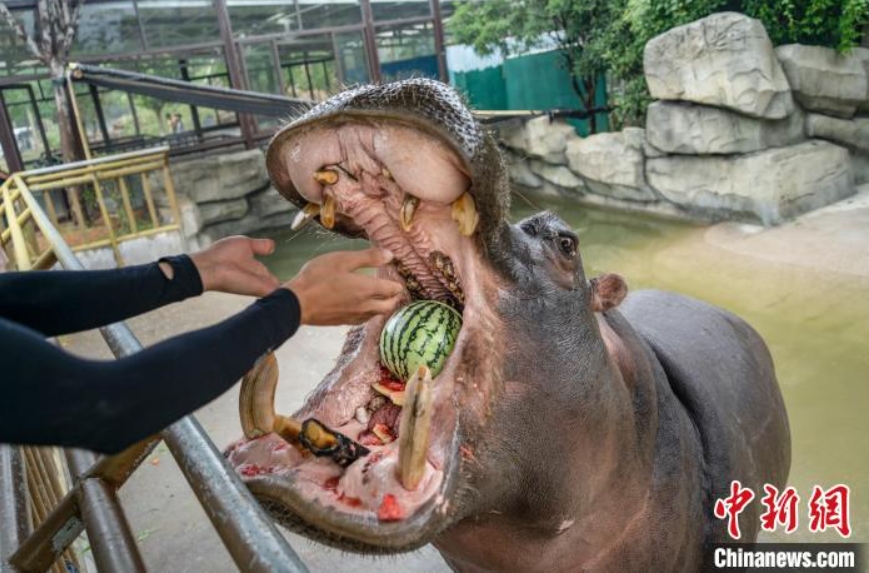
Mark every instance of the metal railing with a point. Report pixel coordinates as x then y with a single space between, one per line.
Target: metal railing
109 200
41 512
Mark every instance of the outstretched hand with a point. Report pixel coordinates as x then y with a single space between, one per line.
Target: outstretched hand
230 265
331 292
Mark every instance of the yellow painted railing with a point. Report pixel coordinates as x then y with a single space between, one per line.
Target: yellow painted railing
109 200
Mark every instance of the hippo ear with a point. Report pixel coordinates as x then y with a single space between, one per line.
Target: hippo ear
607 291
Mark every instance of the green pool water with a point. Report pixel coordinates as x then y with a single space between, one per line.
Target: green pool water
816 324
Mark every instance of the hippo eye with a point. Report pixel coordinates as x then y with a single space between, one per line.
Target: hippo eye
567 244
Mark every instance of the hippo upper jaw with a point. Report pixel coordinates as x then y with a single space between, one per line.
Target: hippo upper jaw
408 185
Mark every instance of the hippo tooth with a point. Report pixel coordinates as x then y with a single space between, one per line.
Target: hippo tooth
414 429
327 212
362 415
304 216
408 209
465 214
256 402
388 174
326 177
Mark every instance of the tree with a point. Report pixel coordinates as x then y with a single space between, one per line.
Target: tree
600 37
56 25
577 27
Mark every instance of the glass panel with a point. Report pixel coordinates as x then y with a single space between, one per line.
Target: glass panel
329 14
351 58
407 51
260 68
309 68
178 22
15 57
25 113
107 28
392 10
211 70
260 17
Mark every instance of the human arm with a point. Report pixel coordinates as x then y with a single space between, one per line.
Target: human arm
61 302
53 397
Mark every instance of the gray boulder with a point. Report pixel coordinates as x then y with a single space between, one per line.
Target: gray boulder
539 138
521 174
853 133
250 223
770 186
269 202
824 80
862 54
218 177
724 60
690 129
612 164
218 211
558 175
860 167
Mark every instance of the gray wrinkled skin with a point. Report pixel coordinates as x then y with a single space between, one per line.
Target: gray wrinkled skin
609 435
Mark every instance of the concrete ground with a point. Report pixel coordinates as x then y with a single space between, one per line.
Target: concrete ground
175 534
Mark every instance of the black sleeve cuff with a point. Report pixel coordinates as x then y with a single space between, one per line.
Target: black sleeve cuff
185 281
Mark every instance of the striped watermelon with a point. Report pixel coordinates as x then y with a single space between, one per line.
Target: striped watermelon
422 333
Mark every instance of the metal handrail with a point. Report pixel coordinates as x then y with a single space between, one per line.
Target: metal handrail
95 173
248 533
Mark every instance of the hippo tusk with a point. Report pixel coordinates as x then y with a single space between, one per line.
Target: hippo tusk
256 403
304 216
408 209
416 418
327 212
465 214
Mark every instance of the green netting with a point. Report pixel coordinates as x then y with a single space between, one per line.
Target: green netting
535 81
485 89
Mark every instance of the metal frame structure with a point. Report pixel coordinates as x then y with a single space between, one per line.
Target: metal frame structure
230 44
34 535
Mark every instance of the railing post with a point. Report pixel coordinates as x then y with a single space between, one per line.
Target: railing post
19 246
13 504
112 542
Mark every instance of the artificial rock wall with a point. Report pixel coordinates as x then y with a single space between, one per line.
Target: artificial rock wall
740 130
226 194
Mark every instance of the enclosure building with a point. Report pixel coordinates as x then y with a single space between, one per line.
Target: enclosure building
297 48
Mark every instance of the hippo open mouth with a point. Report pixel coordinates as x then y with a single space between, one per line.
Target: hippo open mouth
373 462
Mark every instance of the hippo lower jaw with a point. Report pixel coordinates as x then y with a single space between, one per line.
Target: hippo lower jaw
405 190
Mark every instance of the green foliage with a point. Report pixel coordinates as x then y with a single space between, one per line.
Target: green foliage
834 23
610 36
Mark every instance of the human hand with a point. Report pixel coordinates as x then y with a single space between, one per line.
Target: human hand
230 265
330 292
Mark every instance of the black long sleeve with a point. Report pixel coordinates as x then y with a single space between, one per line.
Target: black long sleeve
48 396
62 302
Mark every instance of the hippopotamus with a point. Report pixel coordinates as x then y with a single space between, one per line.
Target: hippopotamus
573 427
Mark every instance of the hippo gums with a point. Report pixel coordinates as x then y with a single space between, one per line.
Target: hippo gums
513 413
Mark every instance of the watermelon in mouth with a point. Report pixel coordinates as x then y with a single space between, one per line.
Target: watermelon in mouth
407 389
